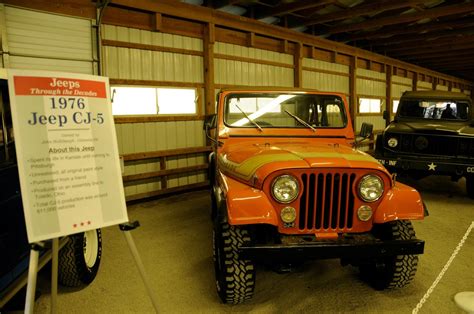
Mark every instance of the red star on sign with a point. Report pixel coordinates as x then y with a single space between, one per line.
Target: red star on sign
89 222
74 225
82 224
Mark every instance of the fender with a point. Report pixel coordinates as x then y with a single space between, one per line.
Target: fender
401 202
240 204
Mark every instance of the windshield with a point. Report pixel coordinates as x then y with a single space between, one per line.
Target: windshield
434 109
270 110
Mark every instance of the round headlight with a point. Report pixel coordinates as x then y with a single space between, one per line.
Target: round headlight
285 189
392 142
370 188
288 214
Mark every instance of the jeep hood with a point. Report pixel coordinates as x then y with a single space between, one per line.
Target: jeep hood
254 161
432 126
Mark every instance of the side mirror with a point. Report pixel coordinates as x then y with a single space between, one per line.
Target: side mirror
386 116
366 130
210 122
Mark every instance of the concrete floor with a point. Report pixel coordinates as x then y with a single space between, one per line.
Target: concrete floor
175 244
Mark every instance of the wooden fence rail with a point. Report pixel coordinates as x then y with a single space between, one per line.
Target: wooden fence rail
163 173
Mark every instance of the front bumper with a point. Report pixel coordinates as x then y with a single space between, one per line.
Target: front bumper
353 249
429 166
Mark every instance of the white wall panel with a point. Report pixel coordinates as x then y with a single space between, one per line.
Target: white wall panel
422 85
398 89
234 72
135 64
441 87
326 82
371 87
44 41
139 64
154 136
138 36
323 65
377 121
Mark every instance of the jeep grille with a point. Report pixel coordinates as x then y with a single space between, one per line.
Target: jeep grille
454 146
327 201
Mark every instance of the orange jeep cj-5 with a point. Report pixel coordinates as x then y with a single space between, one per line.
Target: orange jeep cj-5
288 185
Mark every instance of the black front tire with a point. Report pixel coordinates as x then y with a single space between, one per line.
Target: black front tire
393 271
470 186
235 277
79 259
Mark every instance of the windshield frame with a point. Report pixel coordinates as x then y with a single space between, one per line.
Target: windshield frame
275 94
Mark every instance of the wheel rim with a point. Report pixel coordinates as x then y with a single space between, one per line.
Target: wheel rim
91 245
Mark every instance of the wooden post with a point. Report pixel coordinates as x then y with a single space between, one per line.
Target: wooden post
434 82
298 61
388 94
158 22
353 89
209 91
415 81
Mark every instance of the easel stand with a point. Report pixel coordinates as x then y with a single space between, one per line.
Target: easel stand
126 228
33 269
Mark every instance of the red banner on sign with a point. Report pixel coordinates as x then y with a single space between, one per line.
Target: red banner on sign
57 86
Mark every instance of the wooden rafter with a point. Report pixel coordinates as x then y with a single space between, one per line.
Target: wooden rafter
433 44
429 56
289 7
418 28
447 49
406 18
362 9
420 38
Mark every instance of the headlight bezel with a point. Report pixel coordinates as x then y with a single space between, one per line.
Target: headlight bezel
274 182
362 180
394 140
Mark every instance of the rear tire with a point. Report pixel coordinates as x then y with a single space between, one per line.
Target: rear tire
392 271
79 259
470 186
235 277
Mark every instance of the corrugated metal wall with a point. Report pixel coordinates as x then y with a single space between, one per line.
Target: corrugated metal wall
455 89
139 64
244 72
43 41
400 85
422 85
441 87
325 81
370 83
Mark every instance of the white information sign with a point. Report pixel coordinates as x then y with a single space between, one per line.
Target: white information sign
67 153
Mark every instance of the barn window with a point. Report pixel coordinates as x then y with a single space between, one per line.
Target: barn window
370 105
127 100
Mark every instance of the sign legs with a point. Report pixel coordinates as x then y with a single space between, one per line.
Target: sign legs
32 275
126 228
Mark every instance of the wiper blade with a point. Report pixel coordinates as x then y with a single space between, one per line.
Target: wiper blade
300 120
248 118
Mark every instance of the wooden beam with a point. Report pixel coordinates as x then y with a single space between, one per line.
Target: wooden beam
435 44
158 22
362 9
438 55
209 89
289 7
415 81
420 38
182 188
166 153
298 62
418 28
388 93
165 172
353 89
448 50
405 18
124 44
